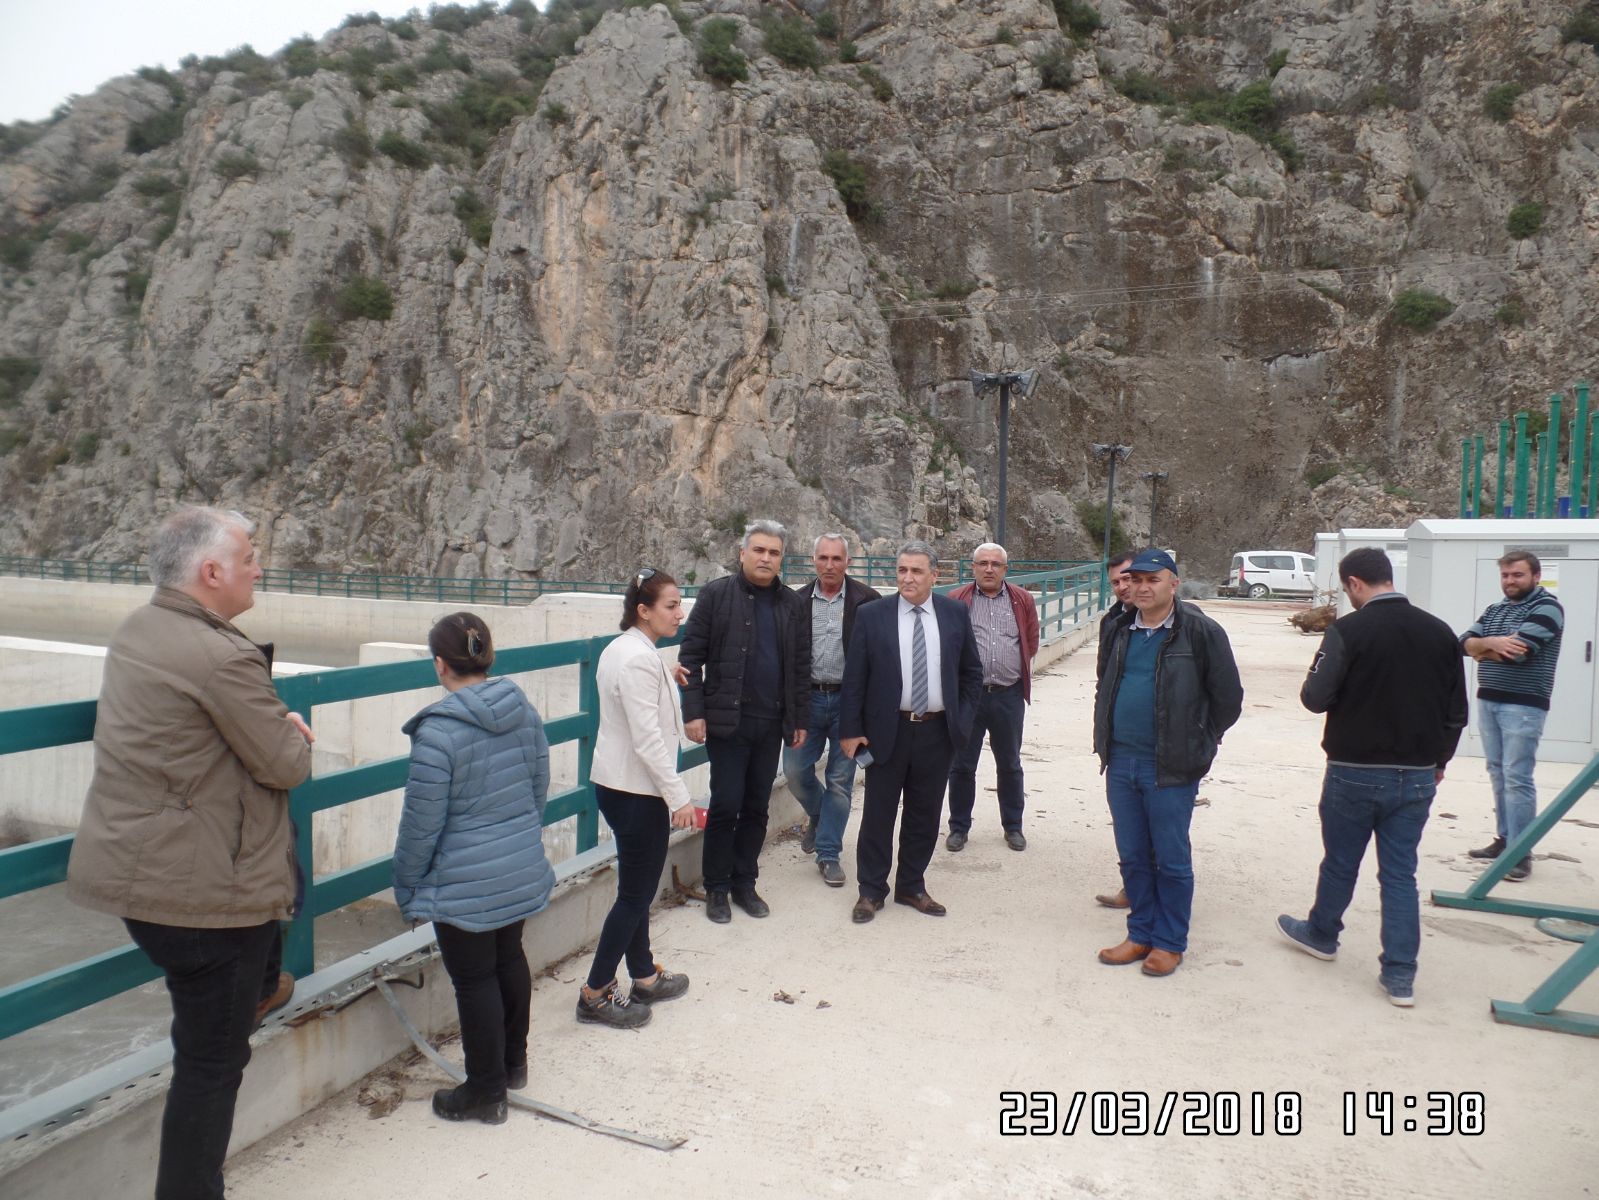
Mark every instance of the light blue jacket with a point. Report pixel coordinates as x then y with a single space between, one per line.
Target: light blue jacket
470 850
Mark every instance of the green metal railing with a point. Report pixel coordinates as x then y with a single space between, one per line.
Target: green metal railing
1065 597
877 571
1533 463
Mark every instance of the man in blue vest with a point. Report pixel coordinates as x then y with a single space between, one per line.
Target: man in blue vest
1168 690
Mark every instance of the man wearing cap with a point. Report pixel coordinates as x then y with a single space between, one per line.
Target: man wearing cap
1168 690
1005 620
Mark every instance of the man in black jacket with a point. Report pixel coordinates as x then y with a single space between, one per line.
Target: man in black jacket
831 600
1120 609
751 636
1393 685
1168 690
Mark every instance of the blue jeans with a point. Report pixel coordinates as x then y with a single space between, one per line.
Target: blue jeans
1510 734
827 806
1151 825
1000 715
1392 803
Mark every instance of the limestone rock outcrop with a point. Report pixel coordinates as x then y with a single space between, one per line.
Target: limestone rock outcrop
536 295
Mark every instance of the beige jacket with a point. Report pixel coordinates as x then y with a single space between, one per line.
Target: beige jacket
187 817
640 722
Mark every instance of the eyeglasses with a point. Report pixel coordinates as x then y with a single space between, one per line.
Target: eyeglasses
646 573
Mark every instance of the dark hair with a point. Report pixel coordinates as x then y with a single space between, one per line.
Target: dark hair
1526 556
1368 564
462 640
644 588
1121 556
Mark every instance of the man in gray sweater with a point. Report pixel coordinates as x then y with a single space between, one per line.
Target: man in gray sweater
1516 643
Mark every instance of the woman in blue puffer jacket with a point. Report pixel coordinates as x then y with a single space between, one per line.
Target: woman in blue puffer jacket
470 856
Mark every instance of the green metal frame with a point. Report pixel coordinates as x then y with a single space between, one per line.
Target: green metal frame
1065 598
1541 1009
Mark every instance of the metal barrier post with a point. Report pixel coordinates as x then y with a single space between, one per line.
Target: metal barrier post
588 820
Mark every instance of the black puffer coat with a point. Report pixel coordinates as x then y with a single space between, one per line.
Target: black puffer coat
1198 695
716 639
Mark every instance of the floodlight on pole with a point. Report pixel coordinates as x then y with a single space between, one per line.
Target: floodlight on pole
1115 453
1025 383
1156 478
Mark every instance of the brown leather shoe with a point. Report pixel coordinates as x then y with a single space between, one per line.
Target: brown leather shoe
1119 900
921 902
1161 963
1124 955
865 909
280 997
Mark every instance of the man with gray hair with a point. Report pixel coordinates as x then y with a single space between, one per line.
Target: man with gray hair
833 597
911 681
185 832
745 667
1005 619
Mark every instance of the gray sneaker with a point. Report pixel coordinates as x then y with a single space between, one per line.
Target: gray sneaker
1400 995
1520 871
1298 934
667 986
808 838
832 873
614 1009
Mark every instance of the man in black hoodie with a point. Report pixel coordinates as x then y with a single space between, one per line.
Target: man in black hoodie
1391 681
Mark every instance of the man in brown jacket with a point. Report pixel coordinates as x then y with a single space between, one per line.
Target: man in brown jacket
185 831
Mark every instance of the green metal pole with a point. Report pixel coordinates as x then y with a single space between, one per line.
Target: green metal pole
1540 482
1552 477
1504 451
1476 475
588 817
1579 448
1593 465
1518 502
1465 478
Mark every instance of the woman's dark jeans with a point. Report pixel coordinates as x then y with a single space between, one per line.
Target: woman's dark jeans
215 979
493 991
641 826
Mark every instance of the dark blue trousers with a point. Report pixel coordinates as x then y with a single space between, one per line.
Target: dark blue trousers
1000 715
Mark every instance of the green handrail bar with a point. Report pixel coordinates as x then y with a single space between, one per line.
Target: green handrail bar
1065 597
1518 502
1504 450
1579 451
1465 477
1552 480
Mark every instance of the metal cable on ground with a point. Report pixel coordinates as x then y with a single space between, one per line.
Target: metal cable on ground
515 1098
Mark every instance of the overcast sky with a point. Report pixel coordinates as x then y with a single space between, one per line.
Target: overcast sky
50 49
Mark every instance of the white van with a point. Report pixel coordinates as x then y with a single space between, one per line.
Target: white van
1258 573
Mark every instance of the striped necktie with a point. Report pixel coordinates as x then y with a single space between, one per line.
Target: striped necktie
918 663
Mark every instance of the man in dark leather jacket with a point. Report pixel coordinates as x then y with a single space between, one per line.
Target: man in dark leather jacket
1168 690
751 637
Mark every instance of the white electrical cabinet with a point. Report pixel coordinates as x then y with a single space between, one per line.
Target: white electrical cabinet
1454 574
1326 551
1390 541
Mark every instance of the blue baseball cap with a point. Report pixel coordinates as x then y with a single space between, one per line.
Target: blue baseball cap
1150 561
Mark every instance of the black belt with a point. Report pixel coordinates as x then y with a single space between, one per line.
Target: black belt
999 687
825 687
927 716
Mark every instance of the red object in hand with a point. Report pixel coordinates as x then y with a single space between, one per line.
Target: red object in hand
700 814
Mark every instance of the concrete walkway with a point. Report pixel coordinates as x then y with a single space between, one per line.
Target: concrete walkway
884 1076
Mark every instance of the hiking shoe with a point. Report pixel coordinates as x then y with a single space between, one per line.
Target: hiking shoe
1298 933
832 874
808 838
716 908
613 1008
751 903
667 986
1520 871
1400 995
466 1104
1492 850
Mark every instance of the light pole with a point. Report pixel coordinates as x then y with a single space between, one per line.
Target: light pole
1026 383
1156 478
1116 453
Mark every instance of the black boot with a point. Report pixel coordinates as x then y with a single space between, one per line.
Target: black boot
464 1103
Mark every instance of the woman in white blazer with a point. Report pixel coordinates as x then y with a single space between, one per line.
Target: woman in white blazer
641 796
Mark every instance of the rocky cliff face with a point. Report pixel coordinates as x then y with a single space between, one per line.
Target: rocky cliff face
497 295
